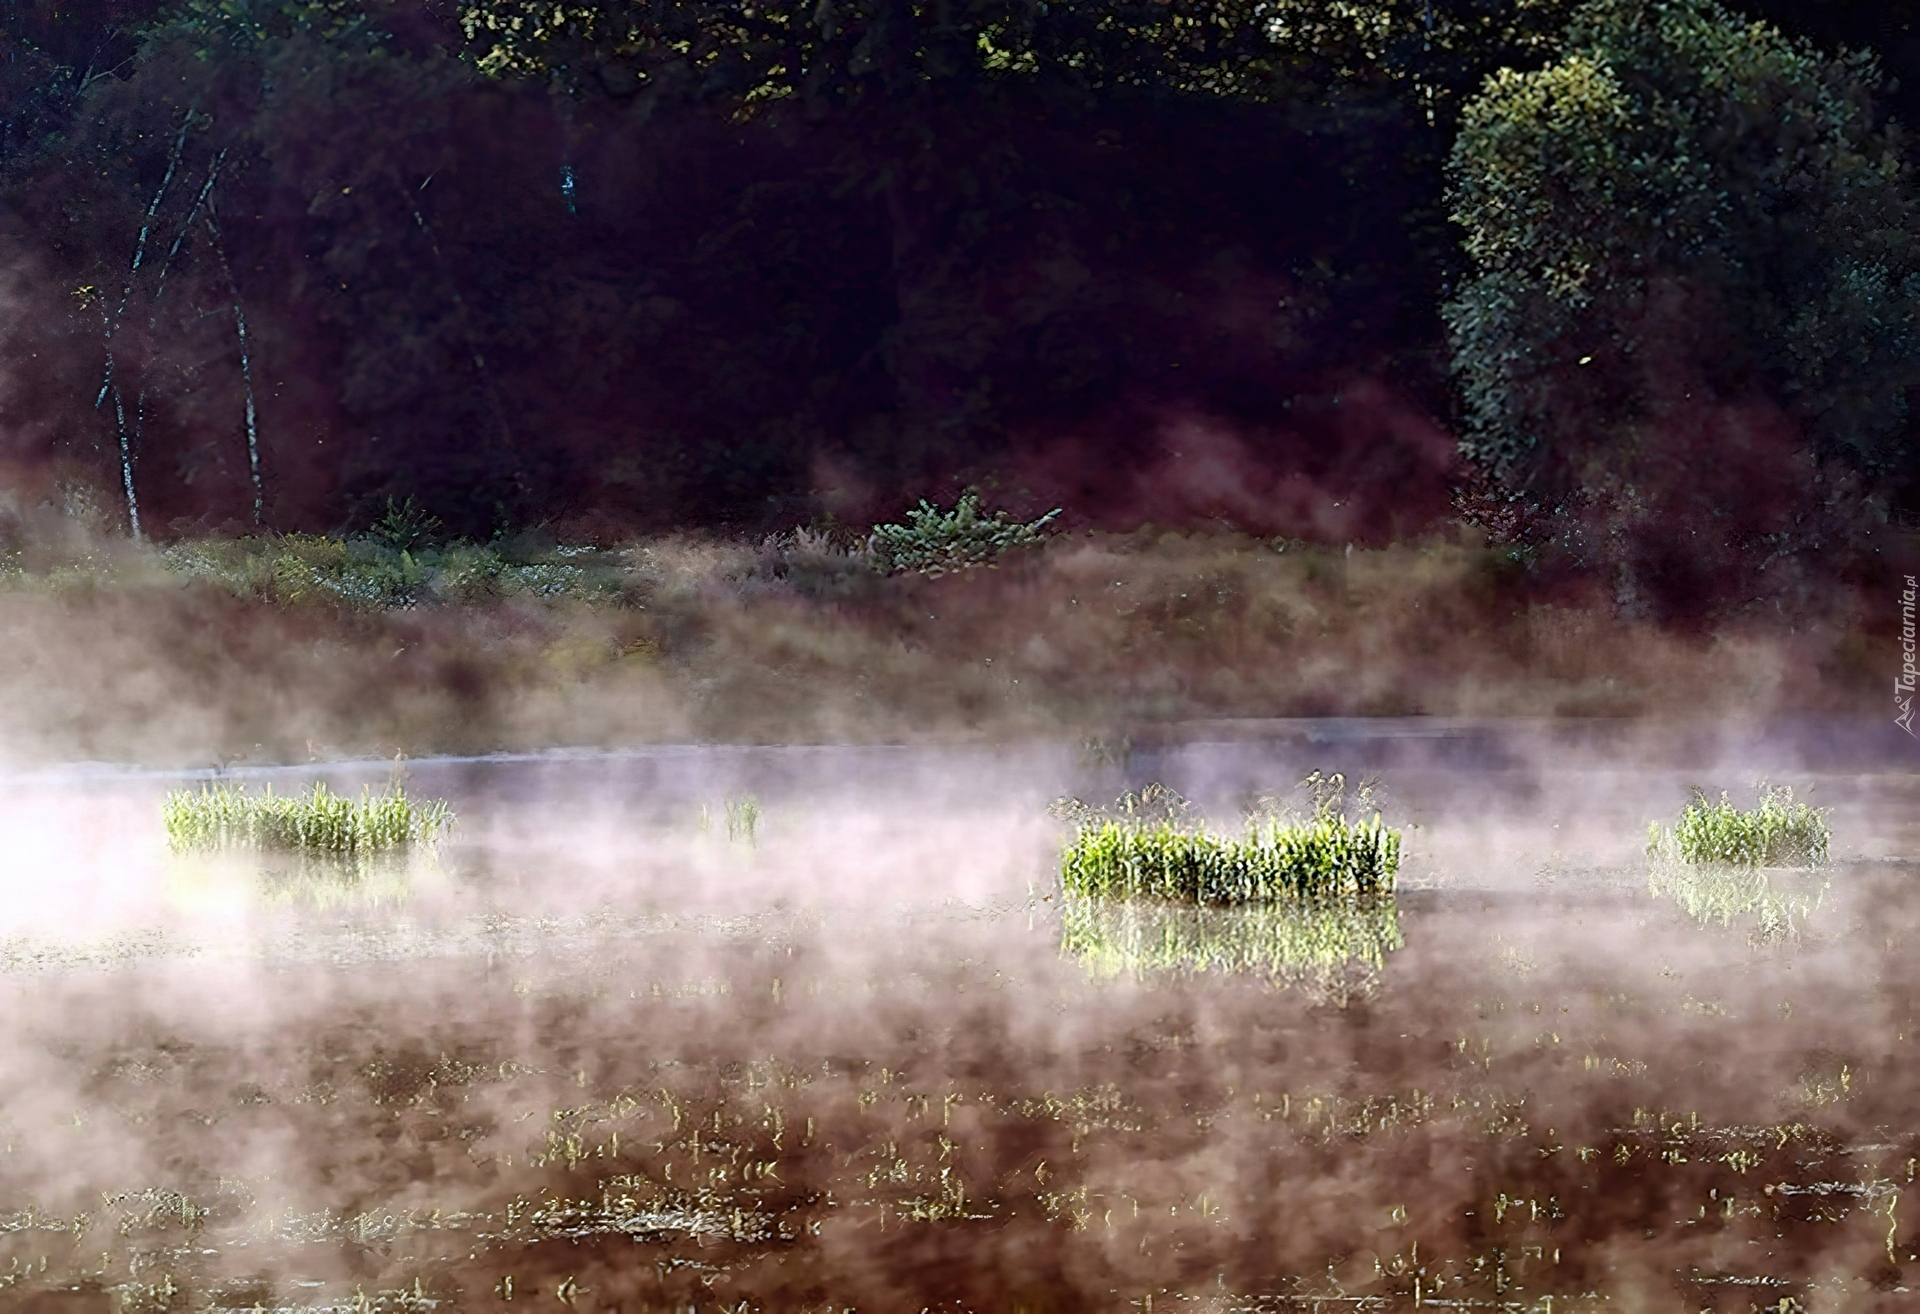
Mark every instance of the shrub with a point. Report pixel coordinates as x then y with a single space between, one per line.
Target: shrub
320 821
1328 857
406 526
936 542
1776 832
1288 941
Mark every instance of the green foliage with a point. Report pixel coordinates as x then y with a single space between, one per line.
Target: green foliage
1311 942
1682 200
740 815
936 542
759 56
1329 857
319 821
373 573
1776 832
743 818
406 526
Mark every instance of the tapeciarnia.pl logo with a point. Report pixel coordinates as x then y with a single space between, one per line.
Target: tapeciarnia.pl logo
1904 682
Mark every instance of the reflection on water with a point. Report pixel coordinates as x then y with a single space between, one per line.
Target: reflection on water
1772 903
202 883
1325 944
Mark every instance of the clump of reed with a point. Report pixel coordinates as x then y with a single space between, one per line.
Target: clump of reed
318 821
741 818
1328 857
1320 942
1152 845
1776 832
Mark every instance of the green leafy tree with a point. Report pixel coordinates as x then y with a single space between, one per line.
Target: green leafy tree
1683 207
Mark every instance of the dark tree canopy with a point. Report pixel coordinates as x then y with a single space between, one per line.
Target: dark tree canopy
682 262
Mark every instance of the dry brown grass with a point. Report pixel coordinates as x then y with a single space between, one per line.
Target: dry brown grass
716 640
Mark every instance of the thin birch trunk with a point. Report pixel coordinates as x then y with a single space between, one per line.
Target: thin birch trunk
112 382
160 289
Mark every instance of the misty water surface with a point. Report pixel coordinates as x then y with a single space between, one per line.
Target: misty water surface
600 1053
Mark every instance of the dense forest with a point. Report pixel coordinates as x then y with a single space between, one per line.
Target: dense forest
1588 272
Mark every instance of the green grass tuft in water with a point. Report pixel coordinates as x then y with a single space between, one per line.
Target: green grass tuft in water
1775 832
1328 857
318 821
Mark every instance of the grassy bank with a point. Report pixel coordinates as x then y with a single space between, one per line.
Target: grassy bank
296 648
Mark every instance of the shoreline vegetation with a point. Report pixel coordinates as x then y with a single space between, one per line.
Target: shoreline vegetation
300 647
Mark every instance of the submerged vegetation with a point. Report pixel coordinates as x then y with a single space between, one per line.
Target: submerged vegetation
1775 832
319 821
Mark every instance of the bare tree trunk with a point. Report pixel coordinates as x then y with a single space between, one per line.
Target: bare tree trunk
112 382
160 288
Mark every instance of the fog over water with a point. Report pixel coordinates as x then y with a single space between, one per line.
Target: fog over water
810 1028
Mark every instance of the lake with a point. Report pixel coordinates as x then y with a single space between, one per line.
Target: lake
723 1028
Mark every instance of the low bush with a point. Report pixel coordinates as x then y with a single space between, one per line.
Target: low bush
936 542
370 572
319 821
1776 832
1328 857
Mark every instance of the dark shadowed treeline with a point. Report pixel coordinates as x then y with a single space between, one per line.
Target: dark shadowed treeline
671 262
